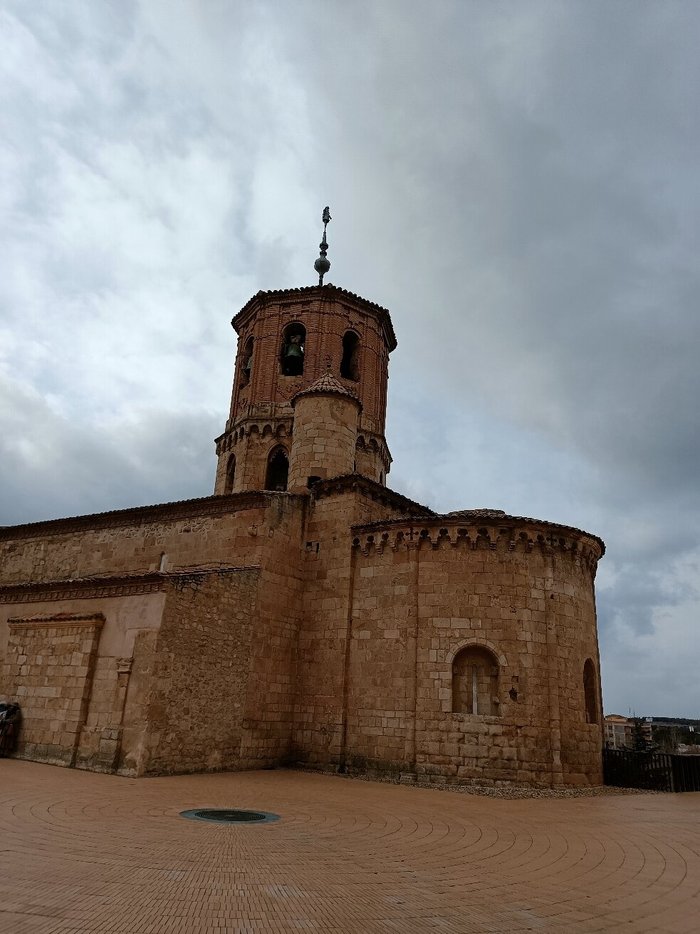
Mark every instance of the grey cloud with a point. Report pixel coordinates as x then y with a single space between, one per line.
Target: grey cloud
516 182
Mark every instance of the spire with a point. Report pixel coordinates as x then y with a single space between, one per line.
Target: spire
323 264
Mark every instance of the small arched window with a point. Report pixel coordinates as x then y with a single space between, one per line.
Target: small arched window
475 681
349 365
277 470
247 362
230 474
292 351
590 692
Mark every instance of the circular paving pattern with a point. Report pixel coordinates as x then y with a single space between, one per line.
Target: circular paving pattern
81 852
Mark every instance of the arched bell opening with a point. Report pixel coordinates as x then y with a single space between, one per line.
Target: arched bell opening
349 365
247 362
292 351
277 473
590 693
230 474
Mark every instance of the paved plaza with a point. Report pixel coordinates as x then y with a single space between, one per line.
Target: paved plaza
81 852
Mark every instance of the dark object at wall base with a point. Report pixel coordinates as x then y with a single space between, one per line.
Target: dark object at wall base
10 721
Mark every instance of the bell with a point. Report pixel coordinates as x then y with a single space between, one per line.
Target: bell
293 350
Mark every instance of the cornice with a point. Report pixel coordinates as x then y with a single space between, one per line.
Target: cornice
366 440
474 529
122 585
358 482
58 620
279 426
323 293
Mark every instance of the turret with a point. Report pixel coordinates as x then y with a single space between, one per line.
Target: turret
325 433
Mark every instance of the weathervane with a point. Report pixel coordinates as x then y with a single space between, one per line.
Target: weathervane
323 264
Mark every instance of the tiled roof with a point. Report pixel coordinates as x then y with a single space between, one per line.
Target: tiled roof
308 289
327 384
323 291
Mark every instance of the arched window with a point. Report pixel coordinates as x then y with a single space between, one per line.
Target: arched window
247 362
230 474
277 470
590 692
349 365
292 351
475 681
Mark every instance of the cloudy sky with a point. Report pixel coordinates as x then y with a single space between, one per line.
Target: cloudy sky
516 181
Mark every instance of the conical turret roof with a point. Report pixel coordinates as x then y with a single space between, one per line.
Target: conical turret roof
327 385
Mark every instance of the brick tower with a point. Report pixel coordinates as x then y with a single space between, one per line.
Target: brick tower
309 391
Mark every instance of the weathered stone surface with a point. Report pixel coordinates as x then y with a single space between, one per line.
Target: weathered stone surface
339 624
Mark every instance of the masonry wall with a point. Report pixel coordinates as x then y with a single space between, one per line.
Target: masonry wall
272 682
320 722
75 558
325 434
49 669
198 695
263 401
227 531
421 594
251 444
54 678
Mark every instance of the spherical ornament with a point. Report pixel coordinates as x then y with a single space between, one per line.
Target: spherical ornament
322 265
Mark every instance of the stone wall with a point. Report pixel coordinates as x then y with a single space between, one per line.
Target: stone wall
320 722
227 531
325 435
63 567
49 669
420 594
198 695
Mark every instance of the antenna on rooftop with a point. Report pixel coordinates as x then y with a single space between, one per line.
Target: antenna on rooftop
323 264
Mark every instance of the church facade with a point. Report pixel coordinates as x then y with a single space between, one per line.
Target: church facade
305 614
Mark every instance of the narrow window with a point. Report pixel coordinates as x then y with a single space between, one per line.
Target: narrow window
292 352
277 470
247 362
349 368
589 692
475 682
230 474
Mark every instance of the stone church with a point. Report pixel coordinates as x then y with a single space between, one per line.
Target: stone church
305 613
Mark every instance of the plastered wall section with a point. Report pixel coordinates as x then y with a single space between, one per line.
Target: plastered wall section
415 604
79 669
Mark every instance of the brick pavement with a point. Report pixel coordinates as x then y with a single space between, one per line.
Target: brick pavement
83 852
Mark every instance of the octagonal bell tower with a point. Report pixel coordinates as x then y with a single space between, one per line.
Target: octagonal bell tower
321 342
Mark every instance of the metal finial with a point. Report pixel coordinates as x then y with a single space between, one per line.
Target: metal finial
323 264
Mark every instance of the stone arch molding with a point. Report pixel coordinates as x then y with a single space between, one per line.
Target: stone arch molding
476 641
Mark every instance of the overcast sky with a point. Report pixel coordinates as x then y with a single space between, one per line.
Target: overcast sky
517 182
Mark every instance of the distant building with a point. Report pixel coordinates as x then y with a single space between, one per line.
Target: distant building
618 731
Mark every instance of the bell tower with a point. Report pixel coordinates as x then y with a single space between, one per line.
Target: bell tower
309 388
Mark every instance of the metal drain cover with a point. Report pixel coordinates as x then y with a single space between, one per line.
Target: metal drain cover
230 816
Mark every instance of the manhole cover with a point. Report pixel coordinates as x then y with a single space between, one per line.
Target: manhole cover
230 816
